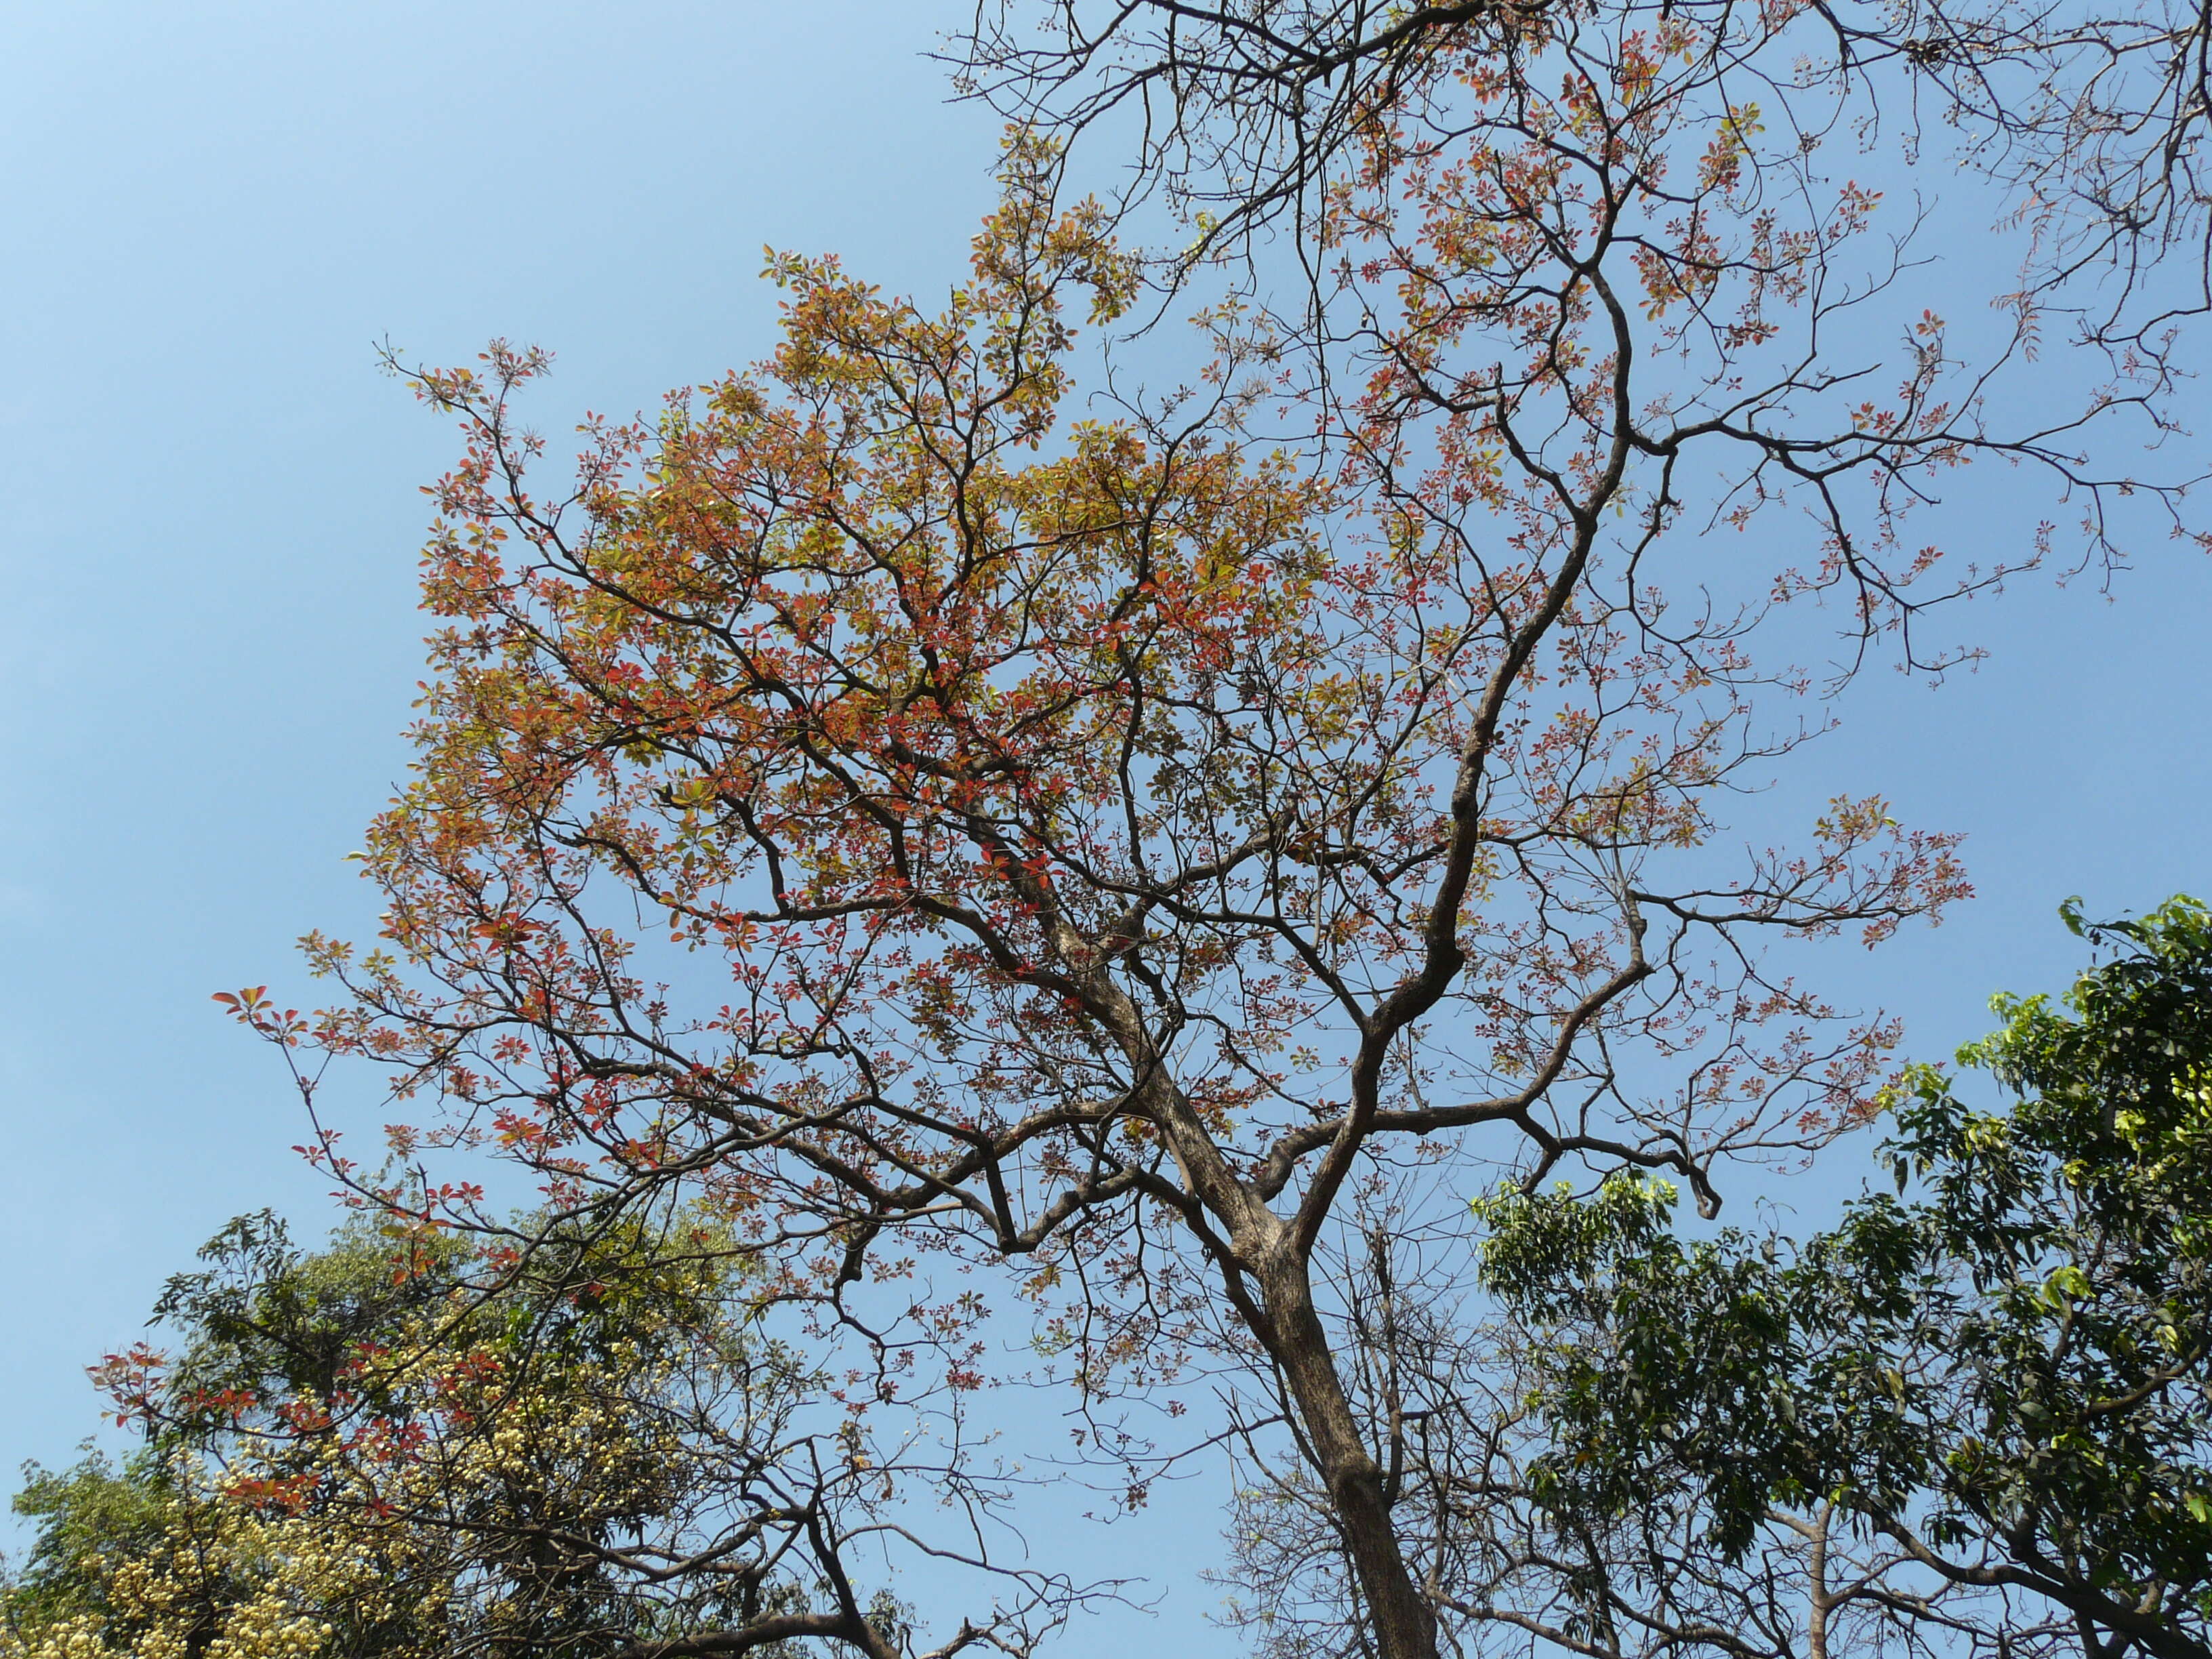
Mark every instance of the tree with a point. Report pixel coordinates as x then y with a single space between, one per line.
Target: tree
1983 1417
1101 846
355 1454
149 1558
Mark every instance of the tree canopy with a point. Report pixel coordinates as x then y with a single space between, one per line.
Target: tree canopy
1988 1407
354 1452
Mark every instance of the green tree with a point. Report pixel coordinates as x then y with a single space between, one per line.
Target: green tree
1979 1403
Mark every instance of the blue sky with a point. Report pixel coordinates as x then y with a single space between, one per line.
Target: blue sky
212 214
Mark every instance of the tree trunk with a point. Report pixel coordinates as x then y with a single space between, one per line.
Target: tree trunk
1404 1624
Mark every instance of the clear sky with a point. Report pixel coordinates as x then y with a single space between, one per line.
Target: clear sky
211 214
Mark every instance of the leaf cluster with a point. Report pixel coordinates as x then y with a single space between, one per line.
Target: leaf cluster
2000 1369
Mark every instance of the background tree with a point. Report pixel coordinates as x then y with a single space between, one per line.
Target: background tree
354 1454
1102 845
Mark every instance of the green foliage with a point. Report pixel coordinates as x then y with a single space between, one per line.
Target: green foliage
402 1445
88 1517
262 1317
2000 1371
264 1321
